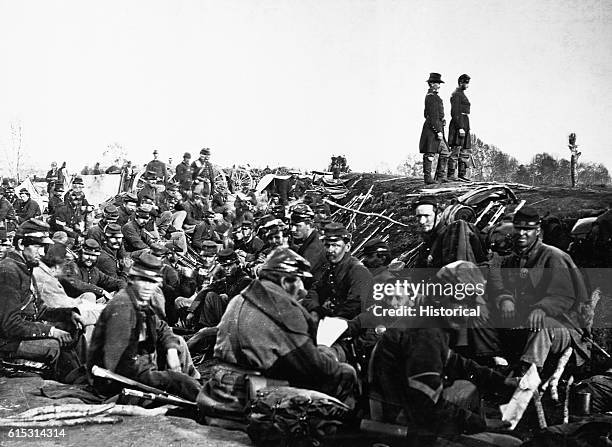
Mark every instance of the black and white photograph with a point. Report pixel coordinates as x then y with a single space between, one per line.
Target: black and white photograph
295 223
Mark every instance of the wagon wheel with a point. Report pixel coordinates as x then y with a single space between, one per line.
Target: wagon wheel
242 179
220 181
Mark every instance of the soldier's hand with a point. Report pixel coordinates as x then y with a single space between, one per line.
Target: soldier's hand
63 337
507 309
107 295
127 263
462 132
189 317
536 319
77 320
439 135
172 360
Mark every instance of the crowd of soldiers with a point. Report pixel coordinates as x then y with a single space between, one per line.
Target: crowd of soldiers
252 283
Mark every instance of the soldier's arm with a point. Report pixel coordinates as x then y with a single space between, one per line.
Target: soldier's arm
12 322
558 296
132 238
359 294
432 114
109 283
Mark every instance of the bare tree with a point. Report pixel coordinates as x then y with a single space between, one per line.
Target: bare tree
14 154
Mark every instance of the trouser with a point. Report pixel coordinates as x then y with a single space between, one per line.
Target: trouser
531 347
213 308
553 339
150 369
45 350
444 153
427 164
453 162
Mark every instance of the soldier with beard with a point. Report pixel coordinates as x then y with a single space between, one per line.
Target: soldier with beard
210 304
56 198
9 194
83 276
306 239
136 236
127 208
113 259
77 187
69 217
26 331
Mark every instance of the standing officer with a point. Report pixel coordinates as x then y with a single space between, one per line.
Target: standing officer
459 131
432 135
203 176
184 172
158 167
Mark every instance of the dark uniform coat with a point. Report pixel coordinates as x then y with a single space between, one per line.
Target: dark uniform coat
159 167
134 237
110 262
314 251
66 219
7 213
411 365
21 314
460 119
545 278
82 279
27 210
344 289
115 345
184 175
434 123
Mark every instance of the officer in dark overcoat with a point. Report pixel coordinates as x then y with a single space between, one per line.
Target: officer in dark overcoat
432 135
459 139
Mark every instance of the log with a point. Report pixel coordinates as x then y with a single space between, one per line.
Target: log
330 202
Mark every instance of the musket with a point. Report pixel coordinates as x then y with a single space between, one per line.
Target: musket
161 398
585 337
106 374
484 212
496 216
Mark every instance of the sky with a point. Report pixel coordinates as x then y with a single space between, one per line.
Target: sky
292 82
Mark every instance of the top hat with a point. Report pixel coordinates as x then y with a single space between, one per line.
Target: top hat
435 77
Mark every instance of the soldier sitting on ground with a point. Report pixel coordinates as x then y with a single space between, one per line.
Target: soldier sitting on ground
83 275
29 329
131 340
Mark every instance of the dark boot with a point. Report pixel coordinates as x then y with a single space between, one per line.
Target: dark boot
463 171
441 170
452 163
427 170
452 173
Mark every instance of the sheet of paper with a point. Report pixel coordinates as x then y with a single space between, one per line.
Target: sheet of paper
330 329
513 410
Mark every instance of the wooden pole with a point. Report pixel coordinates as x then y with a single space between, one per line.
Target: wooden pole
365 214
